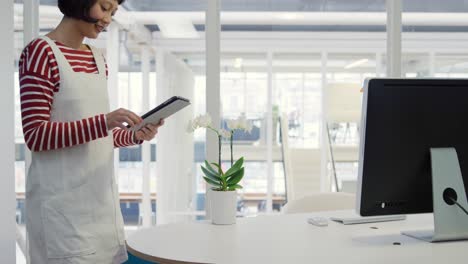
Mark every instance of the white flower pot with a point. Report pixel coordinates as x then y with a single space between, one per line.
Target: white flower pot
223 207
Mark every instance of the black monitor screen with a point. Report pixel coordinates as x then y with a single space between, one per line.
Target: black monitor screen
402 120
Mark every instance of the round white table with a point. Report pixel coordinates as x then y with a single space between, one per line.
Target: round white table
290 239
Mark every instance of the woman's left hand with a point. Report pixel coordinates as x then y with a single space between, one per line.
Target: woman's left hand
148 131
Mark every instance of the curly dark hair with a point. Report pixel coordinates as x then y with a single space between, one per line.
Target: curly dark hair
78 9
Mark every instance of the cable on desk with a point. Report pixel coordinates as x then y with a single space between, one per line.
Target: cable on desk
459 205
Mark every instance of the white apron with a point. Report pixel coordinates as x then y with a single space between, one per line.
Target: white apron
72 205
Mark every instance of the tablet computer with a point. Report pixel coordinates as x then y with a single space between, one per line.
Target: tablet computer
162 111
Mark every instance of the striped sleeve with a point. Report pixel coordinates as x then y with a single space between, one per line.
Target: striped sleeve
124 138
39 80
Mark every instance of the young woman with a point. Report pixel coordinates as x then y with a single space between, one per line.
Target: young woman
72 200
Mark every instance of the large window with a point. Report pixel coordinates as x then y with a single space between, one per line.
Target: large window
130 165
416 65
297 96
451 65
298 99
243 92
307 60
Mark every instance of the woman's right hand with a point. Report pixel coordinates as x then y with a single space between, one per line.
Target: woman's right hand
118 117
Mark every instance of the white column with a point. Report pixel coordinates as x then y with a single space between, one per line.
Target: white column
175 145
161 206
378 64
155 99
393 38
324 177
269 134
213 99
7 140
146 147
30 32
30 20
112 58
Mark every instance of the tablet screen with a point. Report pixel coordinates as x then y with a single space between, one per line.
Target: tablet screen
162 111
165 104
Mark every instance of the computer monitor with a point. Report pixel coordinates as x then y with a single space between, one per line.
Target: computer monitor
402 120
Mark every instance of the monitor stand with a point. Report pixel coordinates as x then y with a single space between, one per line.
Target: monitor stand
450 221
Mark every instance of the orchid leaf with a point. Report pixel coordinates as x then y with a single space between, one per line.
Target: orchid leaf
219 168
236 177
210 174
208 167
235 187
237 165
210 181
232 172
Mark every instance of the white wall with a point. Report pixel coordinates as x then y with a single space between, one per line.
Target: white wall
174 144
7 153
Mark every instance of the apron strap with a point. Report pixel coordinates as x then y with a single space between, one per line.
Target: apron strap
59 57
99 58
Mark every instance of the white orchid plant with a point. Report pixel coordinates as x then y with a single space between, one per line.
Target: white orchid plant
214 175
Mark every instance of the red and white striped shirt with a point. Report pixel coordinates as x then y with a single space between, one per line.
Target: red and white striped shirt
39 80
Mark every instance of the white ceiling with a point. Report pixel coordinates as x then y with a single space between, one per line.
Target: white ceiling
455 6
287 15
175 22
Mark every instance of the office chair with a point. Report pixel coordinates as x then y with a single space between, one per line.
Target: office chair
320 202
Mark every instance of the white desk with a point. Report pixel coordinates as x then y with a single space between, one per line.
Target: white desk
290 239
